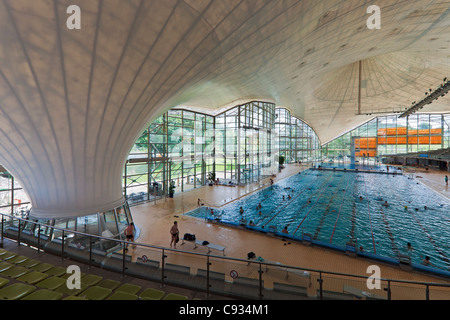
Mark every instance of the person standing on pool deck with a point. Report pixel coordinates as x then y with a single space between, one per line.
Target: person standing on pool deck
129 234
446 180
174 234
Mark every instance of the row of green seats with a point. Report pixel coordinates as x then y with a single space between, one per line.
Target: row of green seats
23 278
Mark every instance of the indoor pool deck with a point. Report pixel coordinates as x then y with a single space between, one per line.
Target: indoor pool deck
155 221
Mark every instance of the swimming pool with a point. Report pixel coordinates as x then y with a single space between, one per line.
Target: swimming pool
338 207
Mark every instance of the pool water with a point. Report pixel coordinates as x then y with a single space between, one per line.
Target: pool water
336 207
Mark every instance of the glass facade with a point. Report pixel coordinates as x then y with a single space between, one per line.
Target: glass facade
13 199
296 140
245 148
391 135
241 145
178 147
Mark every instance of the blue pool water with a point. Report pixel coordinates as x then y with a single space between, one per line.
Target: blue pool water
327 205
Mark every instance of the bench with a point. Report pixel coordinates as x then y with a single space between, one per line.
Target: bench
213 275
250 282
209 245
178 268
290 289
277 265
147 262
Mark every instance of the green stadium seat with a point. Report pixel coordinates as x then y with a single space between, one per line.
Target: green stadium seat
129 288
5 266
3 282
91 279
17 259
43 294
14 272
16 291
109 284
42 267
32 277
71 292
152 294
121 296
56 271
51 283
7 255
96 293
175 296
74 298
28 263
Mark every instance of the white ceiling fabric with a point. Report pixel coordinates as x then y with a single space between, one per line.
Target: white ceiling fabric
72 102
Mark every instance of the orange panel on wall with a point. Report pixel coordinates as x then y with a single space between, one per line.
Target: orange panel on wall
366 143
401 131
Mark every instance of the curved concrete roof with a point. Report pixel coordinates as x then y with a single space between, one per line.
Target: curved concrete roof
72 102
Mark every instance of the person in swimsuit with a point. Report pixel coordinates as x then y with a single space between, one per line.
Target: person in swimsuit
129 234
174 234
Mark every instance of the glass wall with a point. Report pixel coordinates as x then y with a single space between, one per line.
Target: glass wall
391 135
13 199
295 139
176 148
238 146
245 149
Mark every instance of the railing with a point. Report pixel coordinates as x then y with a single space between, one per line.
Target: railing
213 274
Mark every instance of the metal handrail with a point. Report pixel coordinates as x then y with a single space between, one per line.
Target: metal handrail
207 257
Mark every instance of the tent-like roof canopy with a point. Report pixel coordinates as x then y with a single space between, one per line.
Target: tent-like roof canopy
73 101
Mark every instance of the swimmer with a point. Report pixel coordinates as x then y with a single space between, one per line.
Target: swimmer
426 261
252 224
285 230
289 197
241 210
260 213
259 206
409 247
386 204
360 198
